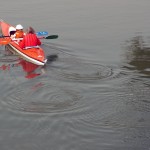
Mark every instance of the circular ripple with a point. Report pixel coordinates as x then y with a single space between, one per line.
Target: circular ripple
45 99
79 71
70 67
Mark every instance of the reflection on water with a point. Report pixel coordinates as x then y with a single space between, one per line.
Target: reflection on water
28 68
138 55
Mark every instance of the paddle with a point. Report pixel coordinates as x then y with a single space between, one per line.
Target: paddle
49 37
41 33
4 41
44 33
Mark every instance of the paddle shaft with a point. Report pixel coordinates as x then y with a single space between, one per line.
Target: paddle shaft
5 41
47 37
40 33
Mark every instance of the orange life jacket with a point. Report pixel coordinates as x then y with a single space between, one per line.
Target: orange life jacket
19 34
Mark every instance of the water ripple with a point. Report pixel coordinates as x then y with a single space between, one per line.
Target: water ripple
75 70
41 98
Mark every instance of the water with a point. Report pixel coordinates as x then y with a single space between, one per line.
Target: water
96 94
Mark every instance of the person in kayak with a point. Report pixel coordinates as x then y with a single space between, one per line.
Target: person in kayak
16 34
30 39
19 31
12 32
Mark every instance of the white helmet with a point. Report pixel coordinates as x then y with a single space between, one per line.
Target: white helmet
19 27
11 29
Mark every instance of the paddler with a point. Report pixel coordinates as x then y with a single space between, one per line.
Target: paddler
30 39
12 32
19 31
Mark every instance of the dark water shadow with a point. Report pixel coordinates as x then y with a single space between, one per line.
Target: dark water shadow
137 56
137 64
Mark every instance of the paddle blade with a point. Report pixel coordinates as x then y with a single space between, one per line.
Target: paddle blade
4 41
52 37
42 33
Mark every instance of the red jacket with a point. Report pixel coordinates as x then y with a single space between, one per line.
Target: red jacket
30 40
29 68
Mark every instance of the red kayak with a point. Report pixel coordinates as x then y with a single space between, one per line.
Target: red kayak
34 55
